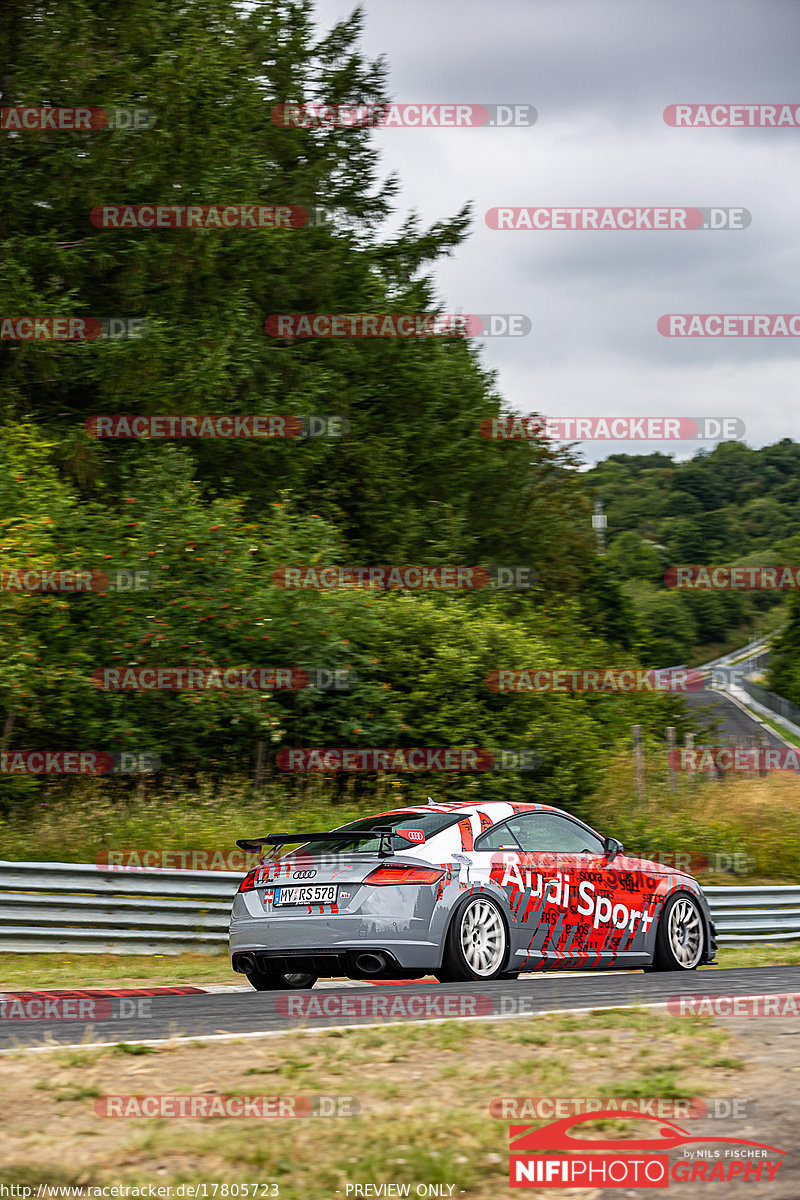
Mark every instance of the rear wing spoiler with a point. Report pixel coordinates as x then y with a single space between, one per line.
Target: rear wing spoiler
414 836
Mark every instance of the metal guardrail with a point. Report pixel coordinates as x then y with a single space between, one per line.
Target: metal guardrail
50 907
771 700
755 914
83 909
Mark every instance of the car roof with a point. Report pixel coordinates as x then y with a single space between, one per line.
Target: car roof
498 810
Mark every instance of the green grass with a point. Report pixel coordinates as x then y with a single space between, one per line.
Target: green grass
758 955
113 970
424 1115
19 971
781 729
83 825
753 817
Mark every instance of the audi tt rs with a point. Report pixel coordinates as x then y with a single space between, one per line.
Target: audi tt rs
463 892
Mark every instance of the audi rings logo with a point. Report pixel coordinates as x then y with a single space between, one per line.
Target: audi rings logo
304 874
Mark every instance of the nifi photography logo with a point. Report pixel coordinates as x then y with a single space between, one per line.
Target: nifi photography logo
632 1162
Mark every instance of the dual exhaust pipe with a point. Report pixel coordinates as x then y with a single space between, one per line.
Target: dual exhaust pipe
370 962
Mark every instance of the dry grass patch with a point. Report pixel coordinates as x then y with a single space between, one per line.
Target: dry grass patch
424 1094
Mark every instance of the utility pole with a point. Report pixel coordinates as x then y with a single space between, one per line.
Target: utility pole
599 525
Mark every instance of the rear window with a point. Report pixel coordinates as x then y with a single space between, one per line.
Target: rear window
352 837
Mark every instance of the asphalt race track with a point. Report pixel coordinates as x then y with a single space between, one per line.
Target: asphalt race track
732 724
137 1017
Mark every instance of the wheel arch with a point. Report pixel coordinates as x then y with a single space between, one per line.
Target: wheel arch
684 888
461 904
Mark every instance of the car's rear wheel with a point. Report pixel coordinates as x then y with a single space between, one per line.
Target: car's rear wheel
681 936
477 942
271 981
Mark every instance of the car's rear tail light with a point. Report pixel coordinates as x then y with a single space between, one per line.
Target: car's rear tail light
249 881
387 874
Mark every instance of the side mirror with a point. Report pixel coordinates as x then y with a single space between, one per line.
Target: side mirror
612 848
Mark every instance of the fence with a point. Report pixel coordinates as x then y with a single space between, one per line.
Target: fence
82 909
777 704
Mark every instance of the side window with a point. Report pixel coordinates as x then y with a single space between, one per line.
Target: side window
498 838
549 831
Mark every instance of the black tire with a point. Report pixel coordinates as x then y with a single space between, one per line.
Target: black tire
270 981
479 926
681 935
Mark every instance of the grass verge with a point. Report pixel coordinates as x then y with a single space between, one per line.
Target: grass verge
19 971
423 1096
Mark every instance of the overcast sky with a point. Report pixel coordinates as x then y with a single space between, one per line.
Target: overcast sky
600 73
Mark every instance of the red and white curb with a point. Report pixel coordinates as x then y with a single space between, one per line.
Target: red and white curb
211 989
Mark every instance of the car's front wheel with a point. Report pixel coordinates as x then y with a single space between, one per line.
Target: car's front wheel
271 981
681 936
477 942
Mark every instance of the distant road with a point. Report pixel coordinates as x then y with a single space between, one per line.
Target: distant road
724 721
734 723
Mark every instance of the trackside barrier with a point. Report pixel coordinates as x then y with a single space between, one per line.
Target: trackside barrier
49 907
777 704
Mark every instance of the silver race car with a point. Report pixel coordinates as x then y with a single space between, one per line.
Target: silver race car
460 891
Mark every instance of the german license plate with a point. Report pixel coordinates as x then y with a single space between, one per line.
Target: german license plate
312 893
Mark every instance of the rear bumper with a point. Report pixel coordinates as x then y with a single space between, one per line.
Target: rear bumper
333 943
324 963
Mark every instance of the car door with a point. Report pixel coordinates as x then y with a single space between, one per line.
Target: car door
561 891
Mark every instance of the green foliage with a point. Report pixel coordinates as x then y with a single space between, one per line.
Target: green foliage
213 520
784 666
731 505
